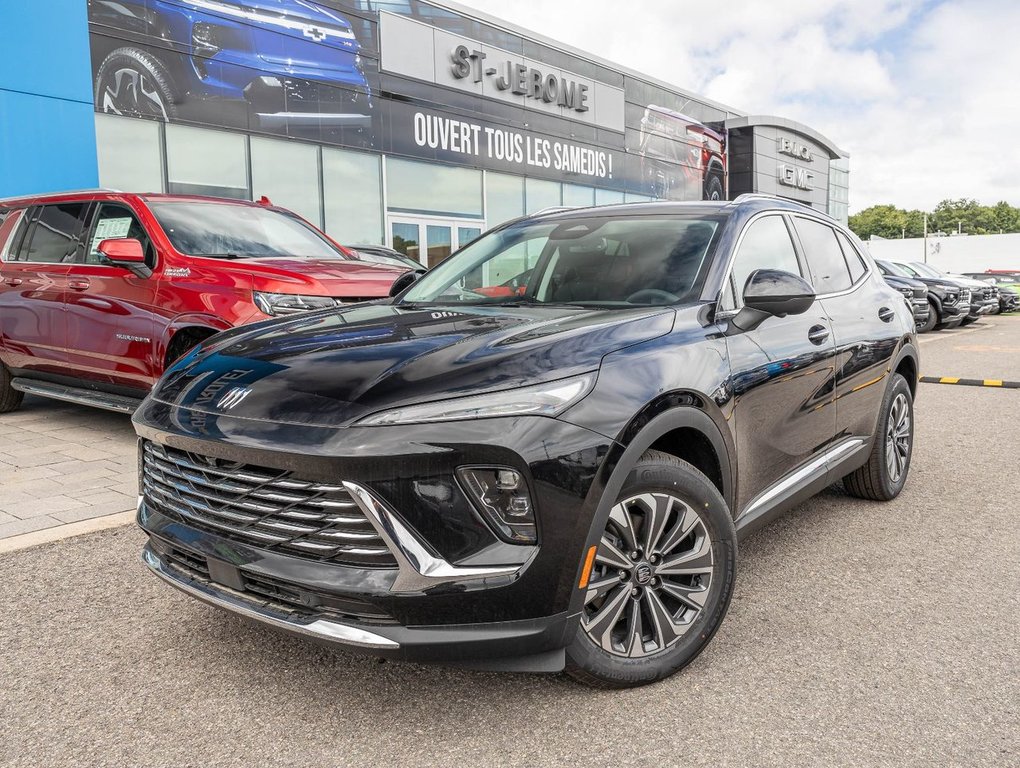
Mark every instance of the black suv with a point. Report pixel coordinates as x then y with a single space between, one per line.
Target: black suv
555 478
948 300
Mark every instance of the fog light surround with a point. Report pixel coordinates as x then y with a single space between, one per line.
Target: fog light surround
501 496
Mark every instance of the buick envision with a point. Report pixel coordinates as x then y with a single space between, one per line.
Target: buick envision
554 478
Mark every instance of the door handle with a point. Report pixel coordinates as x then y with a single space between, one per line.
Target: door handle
78 285
886 315
818 334
13 280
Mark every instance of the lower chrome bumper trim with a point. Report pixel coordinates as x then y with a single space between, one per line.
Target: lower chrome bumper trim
223 597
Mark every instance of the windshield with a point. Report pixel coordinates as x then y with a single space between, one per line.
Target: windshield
228 231
590 261
926 270
894 269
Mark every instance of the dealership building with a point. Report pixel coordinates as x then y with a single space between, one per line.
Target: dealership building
410 123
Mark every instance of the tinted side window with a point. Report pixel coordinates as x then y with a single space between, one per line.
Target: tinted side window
53 238
829 272
114 221
766 245
853 257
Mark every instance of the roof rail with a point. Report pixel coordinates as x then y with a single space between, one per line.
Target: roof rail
59 192
763 196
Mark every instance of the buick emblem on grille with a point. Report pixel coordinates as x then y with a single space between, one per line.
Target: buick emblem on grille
233 397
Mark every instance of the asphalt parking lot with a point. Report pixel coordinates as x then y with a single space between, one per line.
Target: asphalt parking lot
859 634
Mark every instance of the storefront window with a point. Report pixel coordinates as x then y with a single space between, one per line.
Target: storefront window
352 190
542 194
204 162
432 188
130 154
576 195
608 197
504 198
288 174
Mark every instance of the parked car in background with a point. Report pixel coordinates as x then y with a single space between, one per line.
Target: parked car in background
100 291
1008 285
915 293
983 297
948 301
544 480
380 254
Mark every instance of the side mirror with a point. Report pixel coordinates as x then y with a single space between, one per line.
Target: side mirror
125 252
773 293
404 282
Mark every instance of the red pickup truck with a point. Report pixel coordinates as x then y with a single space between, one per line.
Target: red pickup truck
101 291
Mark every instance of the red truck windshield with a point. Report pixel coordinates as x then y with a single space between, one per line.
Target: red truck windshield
238 232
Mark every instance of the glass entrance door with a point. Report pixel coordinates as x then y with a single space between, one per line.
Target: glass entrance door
429 240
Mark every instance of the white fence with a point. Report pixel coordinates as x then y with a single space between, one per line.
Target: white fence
961 253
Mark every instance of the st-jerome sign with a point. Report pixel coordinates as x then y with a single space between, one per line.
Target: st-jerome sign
520 79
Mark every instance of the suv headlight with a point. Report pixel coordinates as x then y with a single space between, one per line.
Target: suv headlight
907 292
290 303
549 399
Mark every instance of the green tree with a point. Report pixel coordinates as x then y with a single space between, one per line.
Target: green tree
1005 218
964 215
879 220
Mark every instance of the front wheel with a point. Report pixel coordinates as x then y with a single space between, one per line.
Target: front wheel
131 82
933 319
662 579
883 477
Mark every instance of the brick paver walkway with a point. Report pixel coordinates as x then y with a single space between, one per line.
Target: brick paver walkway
62 463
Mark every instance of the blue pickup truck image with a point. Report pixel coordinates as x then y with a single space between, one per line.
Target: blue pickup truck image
275 65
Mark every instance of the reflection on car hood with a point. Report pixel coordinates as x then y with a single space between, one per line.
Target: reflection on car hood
329 368
320 277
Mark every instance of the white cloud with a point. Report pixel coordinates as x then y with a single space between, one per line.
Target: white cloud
921 94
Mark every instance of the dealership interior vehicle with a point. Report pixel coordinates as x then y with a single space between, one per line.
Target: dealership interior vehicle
554 479
948 300
100 291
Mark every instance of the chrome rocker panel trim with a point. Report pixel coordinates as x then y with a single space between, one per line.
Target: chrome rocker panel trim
419 569
222 597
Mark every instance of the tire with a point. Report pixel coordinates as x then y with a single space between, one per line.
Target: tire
883 476
713 188
933 318
10 398
695 533
131 82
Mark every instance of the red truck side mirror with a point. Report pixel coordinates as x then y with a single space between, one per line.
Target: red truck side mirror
126 252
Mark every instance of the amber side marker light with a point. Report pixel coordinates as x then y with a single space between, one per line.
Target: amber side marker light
589 561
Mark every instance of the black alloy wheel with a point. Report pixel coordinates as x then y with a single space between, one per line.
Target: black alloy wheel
662 579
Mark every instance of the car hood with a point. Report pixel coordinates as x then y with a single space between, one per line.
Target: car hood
320 277
331 368
906 282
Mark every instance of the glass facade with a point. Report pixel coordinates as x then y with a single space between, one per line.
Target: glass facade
839 189
287 172
206 162
352 192
130 154
415 187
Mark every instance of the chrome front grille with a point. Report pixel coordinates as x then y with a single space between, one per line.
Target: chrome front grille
265 508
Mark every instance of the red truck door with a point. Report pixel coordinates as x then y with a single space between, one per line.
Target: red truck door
34 284
110 318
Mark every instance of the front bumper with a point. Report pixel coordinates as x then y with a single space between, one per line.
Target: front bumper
457 592
921 310
285 101
531 645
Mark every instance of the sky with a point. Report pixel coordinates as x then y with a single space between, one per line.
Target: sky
924 95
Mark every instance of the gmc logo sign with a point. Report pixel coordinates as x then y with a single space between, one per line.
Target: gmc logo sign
792 176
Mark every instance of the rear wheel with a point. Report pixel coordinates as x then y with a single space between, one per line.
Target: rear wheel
663 575
882 478
10 398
